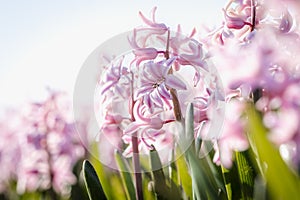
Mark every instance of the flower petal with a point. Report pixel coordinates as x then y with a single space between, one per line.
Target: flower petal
174 82
154 69
142 91
156 99
133 127
164 92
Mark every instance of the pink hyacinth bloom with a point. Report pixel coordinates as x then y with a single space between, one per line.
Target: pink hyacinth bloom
142 53
115 78
150 130
284 121
162 140
63 177
188 53
45 145
232 138
142 119
9 148
195 58
286 22
264 59
155 83
234 21
109 137
151 29
164 73
158 28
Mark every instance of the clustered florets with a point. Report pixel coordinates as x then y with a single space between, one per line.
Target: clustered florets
264 70
151 91
43 146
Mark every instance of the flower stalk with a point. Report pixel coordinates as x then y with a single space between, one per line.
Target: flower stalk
135 156
176 105
137 168
253 13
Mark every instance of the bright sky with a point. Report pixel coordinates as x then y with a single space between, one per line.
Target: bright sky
44 43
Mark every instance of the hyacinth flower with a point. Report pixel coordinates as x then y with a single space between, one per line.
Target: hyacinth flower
152 80
159 28
144 94
9 154
265 67
240 19
46 146
142 54
155 84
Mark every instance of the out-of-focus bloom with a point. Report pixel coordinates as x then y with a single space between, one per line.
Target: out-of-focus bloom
110 136
257 52
9 149
45 144
232 138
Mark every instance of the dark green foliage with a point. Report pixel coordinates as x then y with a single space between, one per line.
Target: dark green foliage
92 182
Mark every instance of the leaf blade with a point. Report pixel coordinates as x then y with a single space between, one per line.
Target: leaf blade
126 177
285 187
92 183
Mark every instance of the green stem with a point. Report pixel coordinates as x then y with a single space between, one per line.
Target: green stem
137 169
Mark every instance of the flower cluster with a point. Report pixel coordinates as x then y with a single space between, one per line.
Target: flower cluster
255 53
144 92
9 154
43 146
265 70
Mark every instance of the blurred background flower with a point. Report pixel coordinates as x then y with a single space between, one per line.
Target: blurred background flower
40 146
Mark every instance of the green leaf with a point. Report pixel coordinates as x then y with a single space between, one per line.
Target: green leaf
228 181
232 182
189 123
184 176
148 187
203 181
102 172
126 176
92 182
27 196
239 179
260 188
156 166
198 144
118 191
162 188
246 174
173 175
281 182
